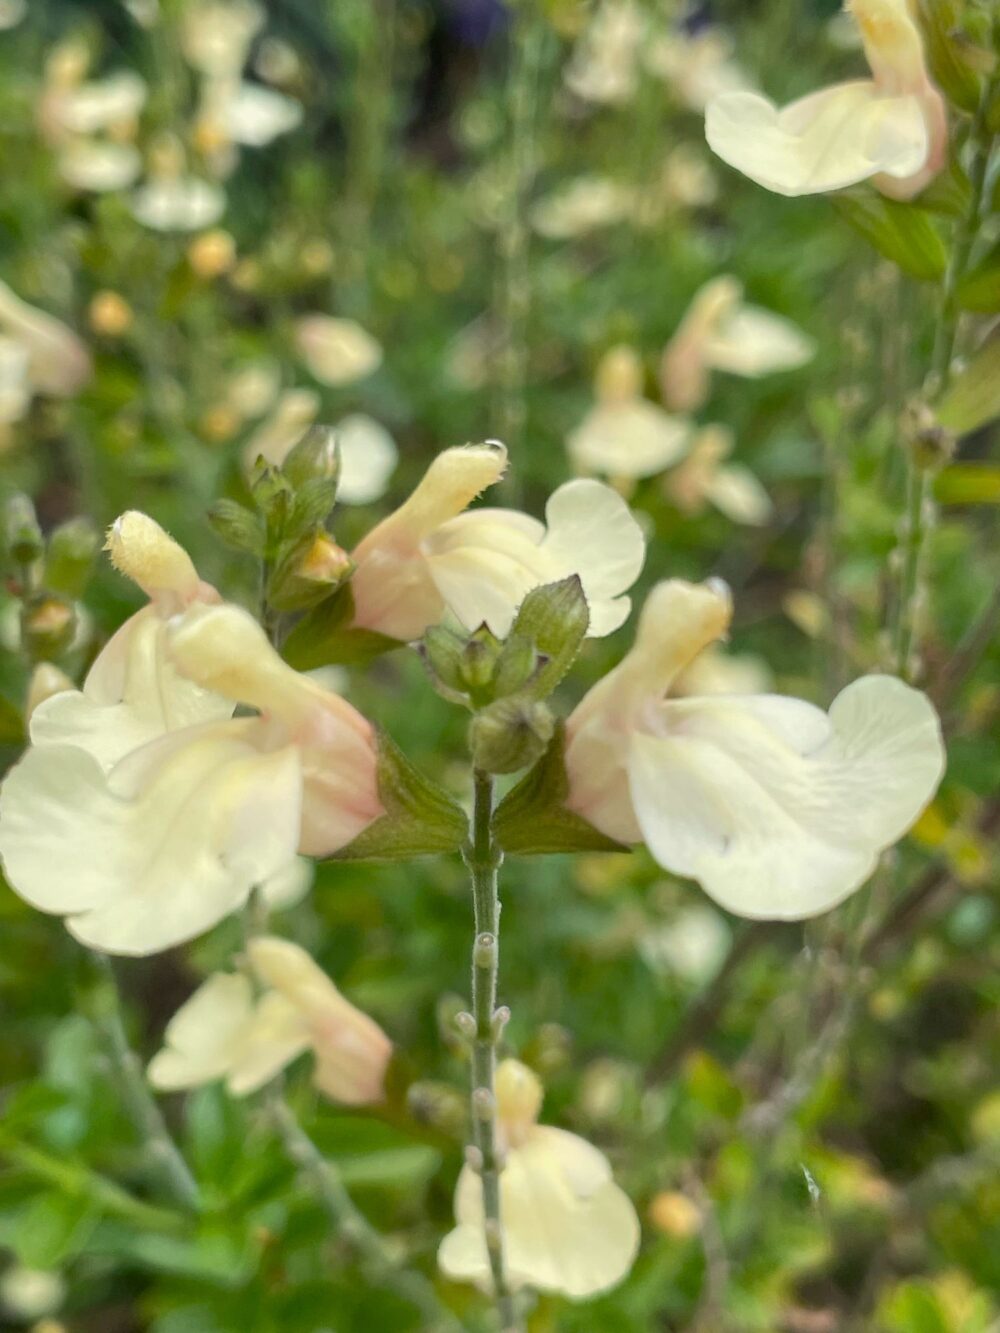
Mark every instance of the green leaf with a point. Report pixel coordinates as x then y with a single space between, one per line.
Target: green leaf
53 1228
326 636
421 819
969 484
980 288
532 819
208 1256
950 192
901 232
973 399
946 48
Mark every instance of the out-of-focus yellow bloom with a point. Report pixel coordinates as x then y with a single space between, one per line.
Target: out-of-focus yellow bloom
336 351
624 435
720 331
110 314
212 253
704 477
675 1215
778 809
567 1227
891 129
224 1032
38 354
430 556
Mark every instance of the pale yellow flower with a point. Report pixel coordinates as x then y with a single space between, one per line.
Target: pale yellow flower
778 809
567 1227
336 351
720 331
38 353
143 810
225 1032
430 556
704 477
890 129
624 435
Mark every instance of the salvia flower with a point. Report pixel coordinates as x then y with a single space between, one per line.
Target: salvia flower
41 352
336 351
777 809
706 477
429 556
624 435
143 811
720 331
226 1031
567 1226
891 129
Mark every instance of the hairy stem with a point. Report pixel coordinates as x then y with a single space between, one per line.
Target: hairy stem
142 1107
483 858
918 521
350 1222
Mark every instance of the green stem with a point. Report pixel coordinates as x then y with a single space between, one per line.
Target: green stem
918 522
142 1107
483 858
350 1222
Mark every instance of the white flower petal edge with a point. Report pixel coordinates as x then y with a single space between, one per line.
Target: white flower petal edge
828 140
141 860
202 1035
567 1226
753 342
632 439
779 810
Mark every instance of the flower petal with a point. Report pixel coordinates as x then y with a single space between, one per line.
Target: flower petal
368 457
276 1035
336 351
753 342
201 1038
593 533
777 810
567 1226
832 138
740 496
163 847
633 439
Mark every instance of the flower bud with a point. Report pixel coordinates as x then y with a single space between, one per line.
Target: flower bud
438 1105
315 567
442 650
510 734
109 314
479 657
21 533
519 1097
237 526
72 549
315 457
212 254
141 550
48 624
674 1214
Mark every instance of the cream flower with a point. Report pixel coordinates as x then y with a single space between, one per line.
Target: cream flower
778 809
692 945
15 382
698 66
581 206
891 129
178 203
704 477
293 414
216 37
720 332
58 363
567 1226
143 811
604 64
368 457
224 1032
336 351
624 435
108 104
251 115
429 555
99 165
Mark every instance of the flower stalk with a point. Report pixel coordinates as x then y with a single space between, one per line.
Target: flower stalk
142 1107
483 858
920 511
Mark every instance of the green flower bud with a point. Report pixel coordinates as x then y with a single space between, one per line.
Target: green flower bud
22 536
479 657
314 568
316 457
48 625
510 734
72 549
442 651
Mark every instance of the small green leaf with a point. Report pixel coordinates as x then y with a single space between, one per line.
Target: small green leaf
980 288
532 819
902 232
946 48
510 734
237 527
969 484
326 636
421 819
53 1228
973 399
